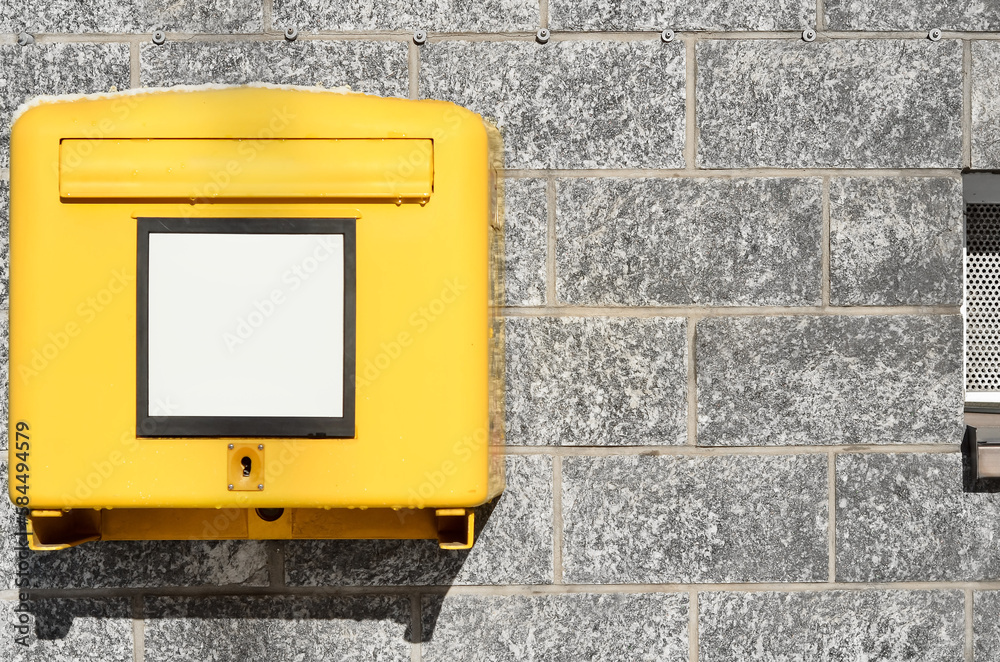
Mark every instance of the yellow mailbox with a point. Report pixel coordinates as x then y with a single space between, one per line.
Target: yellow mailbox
253 312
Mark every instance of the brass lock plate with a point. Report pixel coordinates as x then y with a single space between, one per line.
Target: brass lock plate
245 467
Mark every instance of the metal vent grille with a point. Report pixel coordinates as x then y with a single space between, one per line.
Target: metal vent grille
982 297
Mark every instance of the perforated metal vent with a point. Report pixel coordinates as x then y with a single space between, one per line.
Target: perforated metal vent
982 297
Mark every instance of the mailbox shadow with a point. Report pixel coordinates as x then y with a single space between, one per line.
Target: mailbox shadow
112 573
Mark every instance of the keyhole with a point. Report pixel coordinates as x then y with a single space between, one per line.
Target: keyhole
246 466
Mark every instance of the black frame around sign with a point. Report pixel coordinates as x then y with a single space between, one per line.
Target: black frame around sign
244 426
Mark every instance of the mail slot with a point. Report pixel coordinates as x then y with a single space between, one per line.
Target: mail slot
253 313
262 168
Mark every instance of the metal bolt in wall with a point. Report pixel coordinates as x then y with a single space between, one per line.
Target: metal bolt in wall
291 33
159 37
934 34
667 35
542 36
25 39
419 37
808 35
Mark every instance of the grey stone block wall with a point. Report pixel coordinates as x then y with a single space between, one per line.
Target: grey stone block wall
896 241
907 517
832 625
307 628
682 520
734 349
715 242
568 104
625 626
837 104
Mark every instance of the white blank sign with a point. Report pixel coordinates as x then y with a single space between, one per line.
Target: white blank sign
246 325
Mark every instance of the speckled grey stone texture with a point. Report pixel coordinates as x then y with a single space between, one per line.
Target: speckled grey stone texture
611 628
62 630
130 15
896 241
986 625
681 14
665 519
4 270
131 564
374 67
55 69
526 228
152 564
766 381
887 15
921 626
300 628
568 104
724 242
4 374
843 104
905 517
985 104
514 547
440 15
594 381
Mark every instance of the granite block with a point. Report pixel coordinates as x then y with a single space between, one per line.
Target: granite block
568 104
130 16
610 627
905 517
896 242
514 546
126 564
985 105
67 630
4 374
440 15
721 242
630 15
373 67
766 381
592 381
55 69
667 519
919 15
921 626
4 264
300 628
882 103
526 229
986 625
153 564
